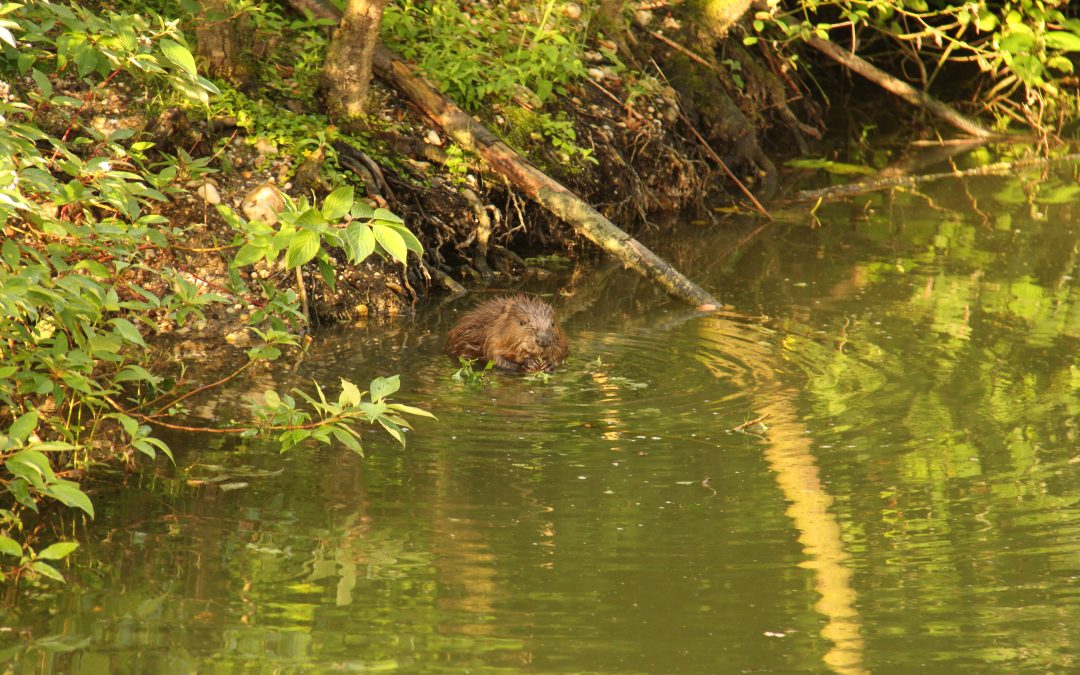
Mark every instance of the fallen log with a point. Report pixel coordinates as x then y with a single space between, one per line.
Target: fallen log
549 193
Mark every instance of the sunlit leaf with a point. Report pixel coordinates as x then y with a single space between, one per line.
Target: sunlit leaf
69 494
1062 40
388 216
128 331
338 203
391 241
381 387
348 440
350 393
23 426
178 54
359 241
411 242
400 407
58 551
303 247
10 546
47 570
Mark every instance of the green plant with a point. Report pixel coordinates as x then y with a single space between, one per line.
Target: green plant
492 57
306 233
469 375
337 419
81 277
1025 50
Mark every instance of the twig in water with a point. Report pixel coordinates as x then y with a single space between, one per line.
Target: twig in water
744 425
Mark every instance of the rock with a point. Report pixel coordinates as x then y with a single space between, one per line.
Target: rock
432 137
263 203
643 17
209 193
572 11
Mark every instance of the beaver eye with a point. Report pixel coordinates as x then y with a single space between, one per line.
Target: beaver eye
523 322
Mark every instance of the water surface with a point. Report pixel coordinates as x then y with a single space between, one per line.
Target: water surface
910 502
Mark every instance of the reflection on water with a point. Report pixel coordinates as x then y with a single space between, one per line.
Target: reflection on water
910 503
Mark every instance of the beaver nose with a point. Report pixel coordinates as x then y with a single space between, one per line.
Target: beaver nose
544 339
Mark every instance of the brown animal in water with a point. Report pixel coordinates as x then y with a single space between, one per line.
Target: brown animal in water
516 332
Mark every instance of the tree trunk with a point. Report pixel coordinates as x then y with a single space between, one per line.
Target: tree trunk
347 71
222 42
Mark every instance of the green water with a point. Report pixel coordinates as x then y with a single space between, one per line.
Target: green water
911 504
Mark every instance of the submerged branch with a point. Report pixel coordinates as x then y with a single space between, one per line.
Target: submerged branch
851 189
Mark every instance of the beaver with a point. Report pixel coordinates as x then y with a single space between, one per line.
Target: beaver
517 332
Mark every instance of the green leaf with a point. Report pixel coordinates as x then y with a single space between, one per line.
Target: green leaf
311 219
58 551
338 203
24 426
32 466
10 546
348 440
381 387
128 331
134 373
42 82
252 252
391 241
47 570
271 398
178 54
400 407
350 394
388 216
362 210
302 248
1060 63
1062 40
411 242
359 241
70 495
20 490
392 429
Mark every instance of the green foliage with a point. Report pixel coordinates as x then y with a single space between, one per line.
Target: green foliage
495 58
336 418
81 279
44 39
1026 50
477 58
469 375
526 127
304 233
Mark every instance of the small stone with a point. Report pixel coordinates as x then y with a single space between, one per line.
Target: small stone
240 338
643 17
263 203
572 11
432 137
209 193
265 147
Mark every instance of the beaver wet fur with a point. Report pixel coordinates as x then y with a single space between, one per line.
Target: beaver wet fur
516 332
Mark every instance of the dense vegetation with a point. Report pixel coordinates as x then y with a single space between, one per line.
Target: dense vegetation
94 240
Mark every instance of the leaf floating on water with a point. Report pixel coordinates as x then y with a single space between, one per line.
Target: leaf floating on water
835 168
229 487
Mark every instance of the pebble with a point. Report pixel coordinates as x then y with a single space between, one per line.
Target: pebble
209 193
263 203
